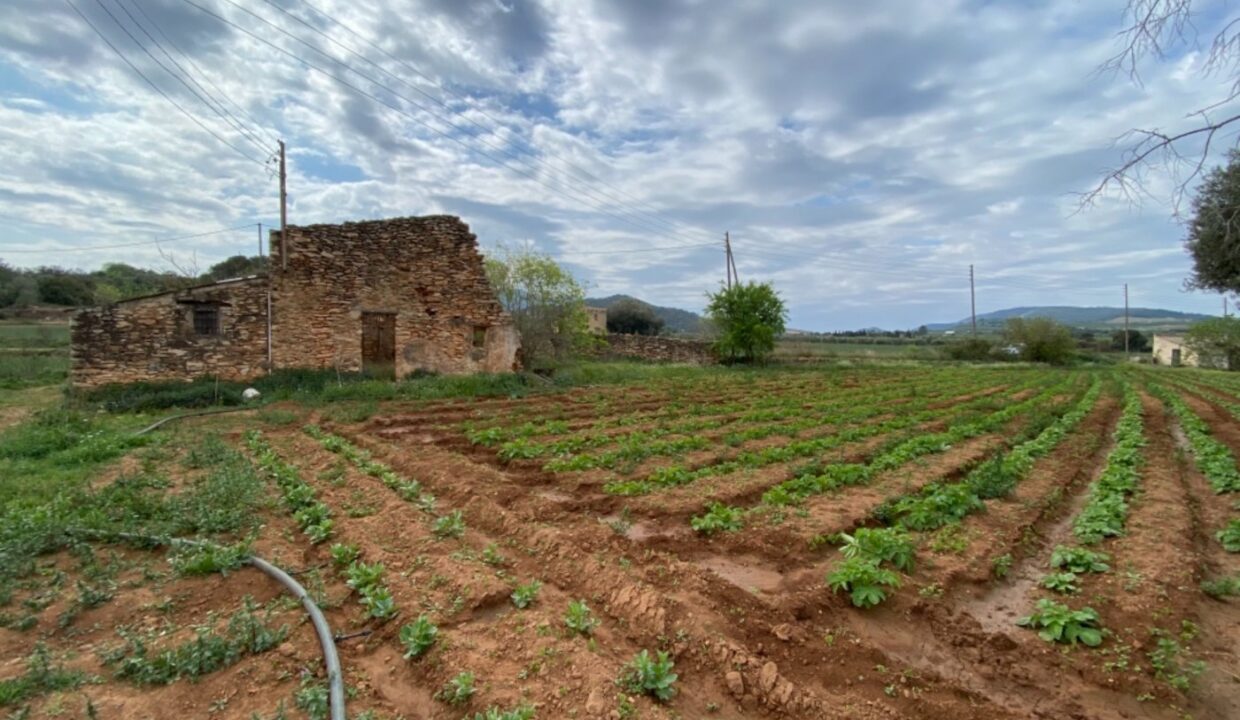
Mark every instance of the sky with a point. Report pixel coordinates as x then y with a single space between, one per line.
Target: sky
861 155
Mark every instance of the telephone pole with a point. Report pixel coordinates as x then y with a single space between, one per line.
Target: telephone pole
1224 306
260 240
730 265
1125 321
972 301
283 211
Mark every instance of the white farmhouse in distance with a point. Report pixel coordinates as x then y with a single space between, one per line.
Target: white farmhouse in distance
1171 350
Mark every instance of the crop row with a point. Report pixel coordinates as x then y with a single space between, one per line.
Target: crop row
941 503
1106 510
862 574
300 498
835 412
766 409
365 579
835 476
1213 459
676 475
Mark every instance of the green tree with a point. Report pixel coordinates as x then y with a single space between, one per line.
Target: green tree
748 318
633 317
1137 341
1215 342
546 303
58 287
1040 340
1214 232
235 267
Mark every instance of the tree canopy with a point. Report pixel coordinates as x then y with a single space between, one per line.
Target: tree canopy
1214 233
1040 339
748 317
633 317
546 303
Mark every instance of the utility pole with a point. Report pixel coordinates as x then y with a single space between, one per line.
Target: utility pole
1224 306
260 240
1125 321
727 257
283 211
972 301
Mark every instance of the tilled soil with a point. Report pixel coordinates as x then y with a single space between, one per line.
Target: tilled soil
746 617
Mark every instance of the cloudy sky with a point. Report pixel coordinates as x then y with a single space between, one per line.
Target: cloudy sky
862 155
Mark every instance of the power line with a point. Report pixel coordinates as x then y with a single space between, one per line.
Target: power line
159 90
402 111
175 76
92 248
205 76
222 111
530 149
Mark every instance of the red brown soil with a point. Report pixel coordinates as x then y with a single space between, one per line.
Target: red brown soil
752 629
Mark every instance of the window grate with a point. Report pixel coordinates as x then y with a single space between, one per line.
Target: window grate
207 320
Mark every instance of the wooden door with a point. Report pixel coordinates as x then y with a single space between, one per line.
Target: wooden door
379 344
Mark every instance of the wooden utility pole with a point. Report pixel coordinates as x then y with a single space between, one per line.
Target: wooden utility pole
972 301
260 240
1224 306
729 266
1125 321
283 211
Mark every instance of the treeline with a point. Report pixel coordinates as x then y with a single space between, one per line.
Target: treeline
115 281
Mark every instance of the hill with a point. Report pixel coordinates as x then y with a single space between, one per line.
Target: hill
1087 318
675 320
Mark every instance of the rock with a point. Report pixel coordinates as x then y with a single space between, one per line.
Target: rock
250 394
768 677
736 684
596 703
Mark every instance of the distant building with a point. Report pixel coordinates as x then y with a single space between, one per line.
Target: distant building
596 320
387 297
1171 350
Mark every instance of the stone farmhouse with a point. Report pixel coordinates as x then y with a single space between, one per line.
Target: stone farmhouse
388 297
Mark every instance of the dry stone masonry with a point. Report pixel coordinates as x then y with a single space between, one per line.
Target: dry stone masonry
656 348
393 296
154 338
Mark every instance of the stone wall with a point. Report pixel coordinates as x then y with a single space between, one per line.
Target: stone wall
154 338
657 348
427 271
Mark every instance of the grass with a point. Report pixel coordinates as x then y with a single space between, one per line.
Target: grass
34 335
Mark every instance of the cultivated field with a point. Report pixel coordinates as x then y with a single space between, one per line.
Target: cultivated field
868 542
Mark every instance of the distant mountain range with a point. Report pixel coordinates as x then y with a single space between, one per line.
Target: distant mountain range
1086 318
675 320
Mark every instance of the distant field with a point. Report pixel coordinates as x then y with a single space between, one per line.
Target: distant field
808 350
33 354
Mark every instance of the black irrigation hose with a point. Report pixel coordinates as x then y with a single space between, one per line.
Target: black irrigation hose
331 659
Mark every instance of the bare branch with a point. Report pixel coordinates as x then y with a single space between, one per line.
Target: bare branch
1152 26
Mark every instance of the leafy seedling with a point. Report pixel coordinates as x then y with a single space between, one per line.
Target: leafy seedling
524 595
450 525
1059 623
863 580
418 637
1079 560
651 676
1061 582
579 618
458 690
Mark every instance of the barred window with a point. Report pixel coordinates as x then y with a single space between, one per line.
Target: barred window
206 320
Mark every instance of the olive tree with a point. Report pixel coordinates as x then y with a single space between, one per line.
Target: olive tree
546 303
747 318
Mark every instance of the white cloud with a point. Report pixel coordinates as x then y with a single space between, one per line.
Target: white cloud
862 155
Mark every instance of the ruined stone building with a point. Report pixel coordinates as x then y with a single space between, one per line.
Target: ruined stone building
388 297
